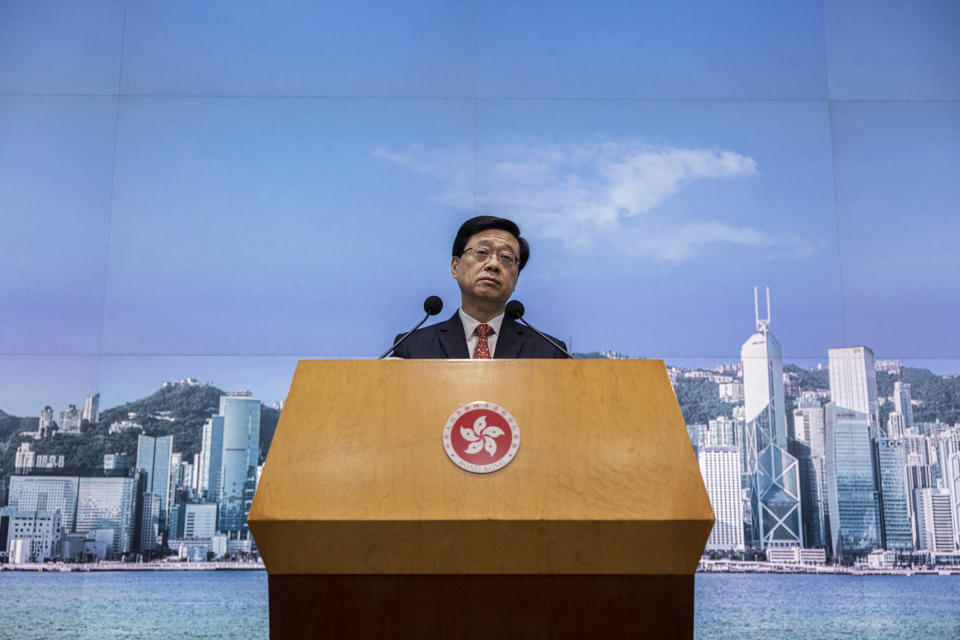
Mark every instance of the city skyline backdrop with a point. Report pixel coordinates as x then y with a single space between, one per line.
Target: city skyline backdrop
181 214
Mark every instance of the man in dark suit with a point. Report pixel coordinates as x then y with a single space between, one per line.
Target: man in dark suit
488 255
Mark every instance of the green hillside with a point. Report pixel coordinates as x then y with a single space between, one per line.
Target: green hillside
177 410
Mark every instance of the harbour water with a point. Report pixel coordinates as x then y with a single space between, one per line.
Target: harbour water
233 604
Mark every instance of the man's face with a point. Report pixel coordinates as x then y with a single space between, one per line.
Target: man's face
489 281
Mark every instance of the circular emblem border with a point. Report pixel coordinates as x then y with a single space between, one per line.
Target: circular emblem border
481 468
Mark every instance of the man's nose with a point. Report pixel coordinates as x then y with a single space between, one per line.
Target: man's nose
492 264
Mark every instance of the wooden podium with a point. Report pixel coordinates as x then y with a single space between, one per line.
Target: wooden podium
368 529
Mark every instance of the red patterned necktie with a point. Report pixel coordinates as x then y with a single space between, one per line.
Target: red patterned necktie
483 349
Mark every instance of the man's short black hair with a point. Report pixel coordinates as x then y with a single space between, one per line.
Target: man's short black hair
483 223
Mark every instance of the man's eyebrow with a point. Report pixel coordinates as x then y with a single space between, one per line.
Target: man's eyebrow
487 243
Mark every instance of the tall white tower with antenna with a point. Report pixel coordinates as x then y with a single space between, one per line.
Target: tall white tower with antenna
772 474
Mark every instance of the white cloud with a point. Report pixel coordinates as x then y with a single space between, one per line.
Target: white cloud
580 193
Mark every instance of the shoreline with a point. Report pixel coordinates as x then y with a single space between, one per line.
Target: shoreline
88 567
713 566
734 566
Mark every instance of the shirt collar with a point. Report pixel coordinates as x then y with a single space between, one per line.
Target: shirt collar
470 324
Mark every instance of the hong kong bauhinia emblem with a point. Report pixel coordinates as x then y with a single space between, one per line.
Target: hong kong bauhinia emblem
481 437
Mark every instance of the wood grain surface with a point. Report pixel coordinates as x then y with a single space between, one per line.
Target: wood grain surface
605 480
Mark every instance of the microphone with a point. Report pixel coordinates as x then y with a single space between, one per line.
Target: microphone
432 305
515 311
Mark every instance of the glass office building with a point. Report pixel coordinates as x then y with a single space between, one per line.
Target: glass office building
211 459
46 493
240 455
109 503
854 512
895 531
153 456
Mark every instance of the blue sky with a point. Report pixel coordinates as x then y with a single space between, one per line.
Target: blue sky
197 191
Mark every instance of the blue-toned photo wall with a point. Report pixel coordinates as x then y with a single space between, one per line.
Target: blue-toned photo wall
214 190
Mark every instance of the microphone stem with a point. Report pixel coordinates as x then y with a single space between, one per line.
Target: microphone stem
404 337
547 338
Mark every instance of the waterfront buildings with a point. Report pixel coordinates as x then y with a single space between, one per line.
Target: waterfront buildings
851 493
895 529
918 475
950 466
808 448
199 521
84 504
148 531
109 503
812 491
796 555
30 536
771 475
210 467
240 455
935 526
720 468
154 457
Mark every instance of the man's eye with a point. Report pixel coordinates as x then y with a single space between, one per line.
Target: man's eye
482 253
507 259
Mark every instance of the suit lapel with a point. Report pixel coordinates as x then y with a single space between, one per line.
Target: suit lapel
452 340
510 340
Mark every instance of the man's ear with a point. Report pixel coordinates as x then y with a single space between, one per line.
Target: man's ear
454 262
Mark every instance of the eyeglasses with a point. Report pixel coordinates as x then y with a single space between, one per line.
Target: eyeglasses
507 259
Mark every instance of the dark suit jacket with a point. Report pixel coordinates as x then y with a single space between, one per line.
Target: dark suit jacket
446 340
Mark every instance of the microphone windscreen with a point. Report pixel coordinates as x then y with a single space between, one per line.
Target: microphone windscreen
514 310
433 305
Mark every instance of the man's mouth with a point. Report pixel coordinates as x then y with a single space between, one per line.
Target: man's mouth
490 280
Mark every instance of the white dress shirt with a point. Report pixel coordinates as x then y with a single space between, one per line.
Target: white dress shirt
470 325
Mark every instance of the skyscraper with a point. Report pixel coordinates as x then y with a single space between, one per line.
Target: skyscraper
720 468
808 422
91 408
852 497
772 474
902 402
934 521
210 467
853 383
149 522
918 474
896 425
109 503
895 530
153 456
950 466
241 451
